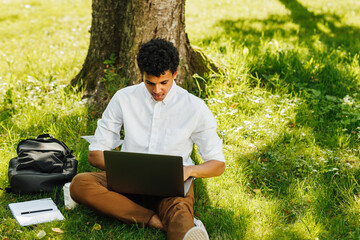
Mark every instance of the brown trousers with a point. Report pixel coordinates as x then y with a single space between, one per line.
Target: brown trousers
176 213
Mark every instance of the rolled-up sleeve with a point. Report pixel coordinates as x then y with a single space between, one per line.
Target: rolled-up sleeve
107 134
209 144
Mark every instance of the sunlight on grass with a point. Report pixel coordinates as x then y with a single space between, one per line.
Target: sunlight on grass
280 109
42 46
286 101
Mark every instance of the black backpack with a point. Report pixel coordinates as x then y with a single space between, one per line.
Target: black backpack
41 165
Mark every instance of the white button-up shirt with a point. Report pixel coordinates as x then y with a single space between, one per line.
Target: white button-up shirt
168 127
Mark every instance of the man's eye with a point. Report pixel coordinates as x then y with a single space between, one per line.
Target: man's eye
150 83
163 83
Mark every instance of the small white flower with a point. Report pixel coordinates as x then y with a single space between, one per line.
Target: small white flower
251 145
238 129
245 51
247 122
233 112
229 95
348 100
216 100
348 165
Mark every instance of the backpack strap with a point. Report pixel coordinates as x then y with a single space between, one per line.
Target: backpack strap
7 189
57 196
58 193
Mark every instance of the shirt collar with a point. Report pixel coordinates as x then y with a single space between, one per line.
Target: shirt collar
168 96
147 95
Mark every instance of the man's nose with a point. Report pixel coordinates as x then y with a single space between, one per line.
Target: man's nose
157 88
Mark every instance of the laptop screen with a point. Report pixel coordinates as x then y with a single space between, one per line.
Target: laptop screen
143 173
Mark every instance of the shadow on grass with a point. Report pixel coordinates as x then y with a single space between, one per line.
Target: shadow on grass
321 76
302 26
326 25
220 223
310 192
318 73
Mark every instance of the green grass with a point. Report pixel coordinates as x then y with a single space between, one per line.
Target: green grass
287 106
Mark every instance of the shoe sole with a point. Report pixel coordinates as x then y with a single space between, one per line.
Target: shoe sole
196 233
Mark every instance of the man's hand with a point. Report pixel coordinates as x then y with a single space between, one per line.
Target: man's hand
96 159
186 172
211 168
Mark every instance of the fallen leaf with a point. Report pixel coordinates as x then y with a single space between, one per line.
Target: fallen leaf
278 179
97 227
57 230
41 234
257 191
308 200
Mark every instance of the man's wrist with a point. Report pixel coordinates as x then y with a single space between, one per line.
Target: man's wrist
191 170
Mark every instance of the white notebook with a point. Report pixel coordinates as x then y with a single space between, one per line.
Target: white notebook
35 211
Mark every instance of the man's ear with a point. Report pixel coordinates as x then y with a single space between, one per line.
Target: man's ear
175 73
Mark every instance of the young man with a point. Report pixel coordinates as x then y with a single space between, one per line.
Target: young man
158 117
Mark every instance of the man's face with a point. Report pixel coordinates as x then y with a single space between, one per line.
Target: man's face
158 87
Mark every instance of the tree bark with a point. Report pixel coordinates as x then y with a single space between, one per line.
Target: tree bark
120 27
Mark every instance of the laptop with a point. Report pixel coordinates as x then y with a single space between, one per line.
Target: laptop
146 174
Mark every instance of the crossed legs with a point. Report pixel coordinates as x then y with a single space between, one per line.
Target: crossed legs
173 215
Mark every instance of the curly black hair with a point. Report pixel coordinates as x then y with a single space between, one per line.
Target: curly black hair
157 56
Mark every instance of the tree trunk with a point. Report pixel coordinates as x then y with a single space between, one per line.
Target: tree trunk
120 27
